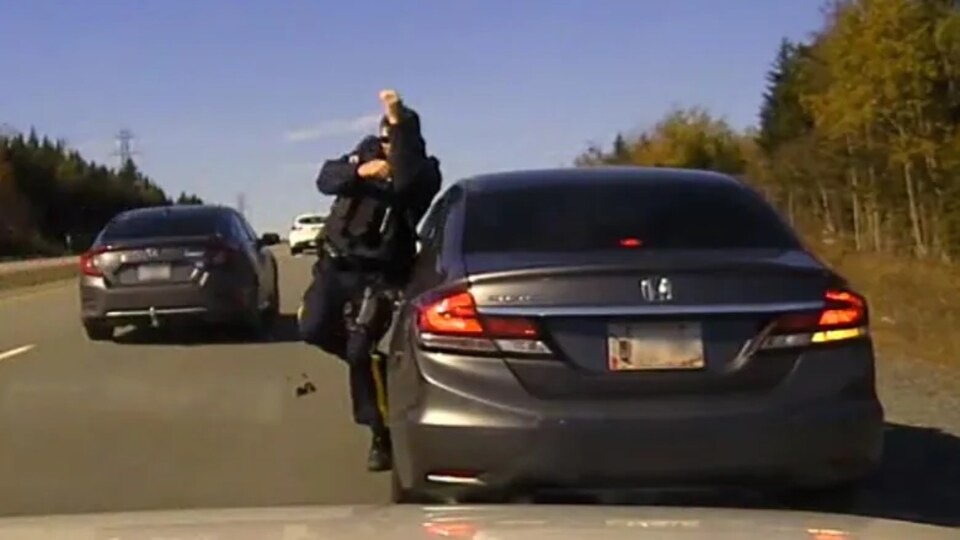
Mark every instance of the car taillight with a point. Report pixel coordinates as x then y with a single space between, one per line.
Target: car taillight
843 317
452 323
88 263
220 253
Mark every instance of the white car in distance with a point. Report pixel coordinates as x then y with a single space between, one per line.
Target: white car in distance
306 232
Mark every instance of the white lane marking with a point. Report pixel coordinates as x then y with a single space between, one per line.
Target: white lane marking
13 352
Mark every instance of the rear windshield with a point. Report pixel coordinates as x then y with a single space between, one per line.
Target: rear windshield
312 220
161 224
584 217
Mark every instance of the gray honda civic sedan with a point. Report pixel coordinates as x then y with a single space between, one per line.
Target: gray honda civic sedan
618 328
195 263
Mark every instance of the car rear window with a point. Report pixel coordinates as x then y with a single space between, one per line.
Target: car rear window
312 220
155 224
653 215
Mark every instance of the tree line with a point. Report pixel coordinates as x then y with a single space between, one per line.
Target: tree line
53 201
858 138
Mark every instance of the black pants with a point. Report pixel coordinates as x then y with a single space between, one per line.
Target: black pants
323 324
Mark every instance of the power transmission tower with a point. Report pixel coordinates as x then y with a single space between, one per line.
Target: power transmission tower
124 148
8 132
242 204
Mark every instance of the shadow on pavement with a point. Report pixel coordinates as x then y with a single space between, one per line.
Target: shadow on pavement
920 477
285 330
919 481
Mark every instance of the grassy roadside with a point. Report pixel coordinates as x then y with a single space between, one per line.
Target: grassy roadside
37 276
915 305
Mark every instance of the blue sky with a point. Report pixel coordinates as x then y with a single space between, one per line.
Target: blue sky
228 96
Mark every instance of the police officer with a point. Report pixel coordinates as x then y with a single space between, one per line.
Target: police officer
382 190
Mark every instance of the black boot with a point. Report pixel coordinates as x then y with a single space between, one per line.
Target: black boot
380 457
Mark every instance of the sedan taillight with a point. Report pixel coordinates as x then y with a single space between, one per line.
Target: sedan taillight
843 317
88 263
451 322
220 254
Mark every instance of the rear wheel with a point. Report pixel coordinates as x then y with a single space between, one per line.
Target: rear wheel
269 316
98 331
399 495
295 250
252 324
834 498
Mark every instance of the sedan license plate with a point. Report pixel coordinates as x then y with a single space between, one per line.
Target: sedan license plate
153 272
655 346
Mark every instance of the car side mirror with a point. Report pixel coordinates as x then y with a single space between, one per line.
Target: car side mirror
270 239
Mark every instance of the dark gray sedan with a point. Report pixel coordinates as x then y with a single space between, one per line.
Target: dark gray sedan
178 263
618 328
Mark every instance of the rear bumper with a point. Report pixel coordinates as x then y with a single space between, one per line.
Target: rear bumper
797 436
302 241
839 442
118 306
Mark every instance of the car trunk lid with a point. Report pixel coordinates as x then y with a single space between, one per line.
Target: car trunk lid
158 261
599 310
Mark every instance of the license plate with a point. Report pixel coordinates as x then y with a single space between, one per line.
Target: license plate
655 346
153 272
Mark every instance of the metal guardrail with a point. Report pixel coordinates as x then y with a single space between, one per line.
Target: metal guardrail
35 264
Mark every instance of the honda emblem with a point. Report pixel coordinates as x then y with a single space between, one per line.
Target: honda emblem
656 289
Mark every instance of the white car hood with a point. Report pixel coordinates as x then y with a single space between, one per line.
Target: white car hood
519 522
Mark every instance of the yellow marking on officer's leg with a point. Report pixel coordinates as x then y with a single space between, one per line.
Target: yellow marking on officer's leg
379 384
300 313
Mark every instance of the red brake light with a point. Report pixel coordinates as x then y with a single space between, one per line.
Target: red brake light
452 323
88 263
843 309
843 317
220 253
454 314
630 242
510 327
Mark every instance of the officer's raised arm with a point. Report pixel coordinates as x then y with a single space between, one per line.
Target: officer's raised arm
337 176
347 174
408 151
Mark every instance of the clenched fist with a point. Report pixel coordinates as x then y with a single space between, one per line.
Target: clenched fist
391 105
377 168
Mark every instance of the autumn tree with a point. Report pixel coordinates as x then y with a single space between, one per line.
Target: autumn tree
858 138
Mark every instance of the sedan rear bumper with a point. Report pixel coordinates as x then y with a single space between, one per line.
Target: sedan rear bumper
118 306
822 446
473 424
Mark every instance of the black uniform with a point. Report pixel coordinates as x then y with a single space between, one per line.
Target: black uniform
370 235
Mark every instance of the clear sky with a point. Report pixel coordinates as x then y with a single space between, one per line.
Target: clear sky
250 96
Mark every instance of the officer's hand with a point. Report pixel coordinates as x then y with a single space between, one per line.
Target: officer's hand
391 105
377 168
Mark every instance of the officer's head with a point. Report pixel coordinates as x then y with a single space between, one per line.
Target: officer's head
384 135
369 149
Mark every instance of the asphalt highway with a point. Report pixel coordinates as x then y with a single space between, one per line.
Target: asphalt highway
158 421
170 421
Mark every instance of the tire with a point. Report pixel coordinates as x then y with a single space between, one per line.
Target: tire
250 325
269 316
834 498
98 331
295 250
399 495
